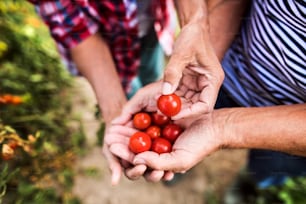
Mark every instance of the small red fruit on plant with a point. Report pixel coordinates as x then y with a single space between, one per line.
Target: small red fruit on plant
161 145
171 132
140 142
141 120
169 105
153 131
13 144
159 119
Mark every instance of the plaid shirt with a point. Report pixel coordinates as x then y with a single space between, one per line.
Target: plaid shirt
70 22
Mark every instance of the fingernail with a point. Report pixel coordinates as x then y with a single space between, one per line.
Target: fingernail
138 161
167 88
115 178
113 181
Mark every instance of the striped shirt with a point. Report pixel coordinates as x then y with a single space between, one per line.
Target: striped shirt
265 65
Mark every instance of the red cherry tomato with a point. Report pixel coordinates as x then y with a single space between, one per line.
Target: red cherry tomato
171 132
8 98
159 119
13 144
161 145
153 131
140 142
141 120
169 105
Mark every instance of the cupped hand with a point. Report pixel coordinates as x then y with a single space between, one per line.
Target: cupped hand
116 140
199 139
117 137
194 70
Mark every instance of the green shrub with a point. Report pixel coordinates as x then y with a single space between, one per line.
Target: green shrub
293 191
30 69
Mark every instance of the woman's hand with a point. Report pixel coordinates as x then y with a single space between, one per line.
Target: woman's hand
199 139
120 130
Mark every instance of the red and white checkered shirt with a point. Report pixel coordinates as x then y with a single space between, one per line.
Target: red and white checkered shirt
72 21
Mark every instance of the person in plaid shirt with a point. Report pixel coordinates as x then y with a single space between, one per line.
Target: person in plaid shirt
106 40
117 45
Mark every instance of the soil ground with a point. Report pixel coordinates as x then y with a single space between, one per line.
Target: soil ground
205 183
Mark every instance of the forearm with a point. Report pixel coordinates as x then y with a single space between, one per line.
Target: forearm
279 128
224 22
193 11
94 61
220 18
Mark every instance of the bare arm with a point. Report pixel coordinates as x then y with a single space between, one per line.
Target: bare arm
279 128
93 59
194 11
221 18
207 29
89 52
224 22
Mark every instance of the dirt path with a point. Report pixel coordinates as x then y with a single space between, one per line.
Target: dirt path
92 183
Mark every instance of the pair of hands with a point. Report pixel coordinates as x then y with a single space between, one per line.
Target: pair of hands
197 141
195 74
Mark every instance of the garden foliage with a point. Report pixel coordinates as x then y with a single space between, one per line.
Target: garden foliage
39 135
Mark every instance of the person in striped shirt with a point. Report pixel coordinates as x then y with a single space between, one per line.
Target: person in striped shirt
260 106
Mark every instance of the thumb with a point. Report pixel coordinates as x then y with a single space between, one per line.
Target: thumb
165 161
173 74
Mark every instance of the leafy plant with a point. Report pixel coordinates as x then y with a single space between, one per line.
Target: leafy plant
31 72
5 177
291 192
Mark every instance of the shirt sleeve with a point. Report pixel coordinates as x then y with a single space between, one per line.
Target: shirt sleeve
69 24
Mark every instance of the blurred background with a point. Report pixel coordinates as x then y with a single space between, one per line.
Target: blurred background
51 134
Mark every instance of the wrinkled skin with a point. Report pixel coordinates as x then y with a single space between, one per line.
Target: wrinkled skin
194 71
188 149
196 75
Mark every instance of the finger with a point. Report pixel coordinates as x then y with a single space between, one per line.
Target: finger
114 166
123 131
168 176
173 73
135 172
181 91
174 161
133 106
116 138
194 110
154 175
122 151
122 119
215 78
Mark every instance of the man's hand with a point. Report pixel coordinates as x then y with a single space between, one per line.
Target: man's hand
116 139
120 130
194 70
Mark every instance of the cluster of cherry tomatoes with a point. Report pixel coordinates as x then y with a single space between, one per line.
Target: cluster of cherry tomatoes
156 132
